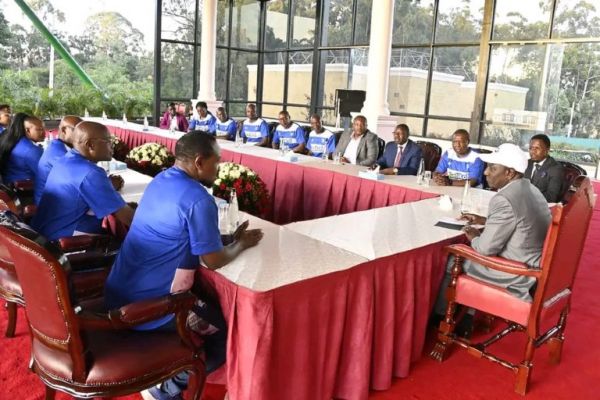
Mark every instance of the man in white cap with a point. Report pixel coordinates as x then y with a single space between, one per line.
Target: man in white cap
515 227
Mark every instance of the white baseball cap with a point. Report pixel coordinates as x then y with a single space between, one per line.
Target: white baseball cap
508 155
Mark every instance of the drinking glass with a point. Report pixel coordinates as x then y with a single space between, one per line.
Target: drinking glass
426 178
337 157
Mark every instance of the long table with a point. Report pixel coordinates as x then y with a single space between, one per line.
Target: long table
330 306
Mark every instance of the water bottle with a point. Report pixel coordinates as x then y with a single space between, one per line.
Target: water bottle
420 172
146 125
86 113
325 155
124 119
465 201
234 216
173 125
103 115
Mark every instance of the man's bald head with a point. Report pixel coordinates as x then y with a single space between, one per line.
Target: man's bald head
92 140
66 128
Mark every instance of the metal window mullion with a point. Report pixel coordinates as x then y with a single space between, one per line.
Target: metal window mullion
552 15
261 56
430 69
196 61
157 61
318 84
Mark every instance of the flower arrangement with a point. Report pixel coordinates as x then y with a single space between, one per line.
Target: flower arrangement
120 148
150 158
251 191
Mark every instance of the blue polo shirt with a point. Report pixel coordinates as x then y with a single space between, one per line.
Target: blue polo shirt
176 222
55 151
228 128
290 137
464 167
77 195
206 124
318 143
23 161
2 129
255 131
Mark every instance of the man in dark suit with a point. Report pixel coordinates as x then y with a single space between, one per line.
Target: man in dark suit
402 156
543 171
359 146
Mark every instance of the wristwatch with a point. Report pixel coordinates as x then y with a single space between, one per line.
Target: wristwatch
395 171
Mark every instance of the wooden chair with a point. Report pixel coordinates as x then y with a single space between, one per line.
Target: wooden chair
544 319
96 354
90 269
431 154
572 172
380 147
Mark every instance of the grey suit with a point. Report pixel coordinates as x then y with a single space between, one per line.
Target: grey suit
549 179
516 226
367 151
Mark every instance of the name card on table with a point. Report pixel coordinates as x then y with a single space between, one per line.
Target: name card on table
371 174
289 157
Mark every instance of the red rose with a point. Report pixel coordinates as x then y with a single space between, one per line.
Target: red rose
222 186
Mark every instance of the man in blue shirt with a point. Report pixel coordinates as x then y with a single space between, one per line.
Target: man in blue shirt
254 129
289 134
226 127
56 149
459 164
205 121
320 140
78 194
402 156
5 115
175 230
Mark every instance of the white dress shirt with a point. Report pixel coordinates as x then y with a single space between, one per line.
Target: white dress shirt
352 149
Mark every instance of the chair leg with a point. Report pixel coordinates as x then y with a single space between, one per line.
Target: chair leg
195 385
11 325
525 368
555 344
50 393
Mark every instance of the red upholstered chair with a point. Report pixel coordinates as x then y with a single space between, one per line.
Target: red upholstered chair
572 173
544 319
90 269
431 154
95 354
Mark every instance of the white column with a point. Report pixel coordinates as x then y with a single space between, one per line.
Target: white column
376 107
208 52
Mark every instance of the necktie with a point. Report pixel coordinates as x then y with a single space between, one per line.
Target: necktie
536 167
398 157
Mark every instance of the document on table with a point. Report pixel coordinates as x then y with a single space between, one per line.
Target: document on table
453 223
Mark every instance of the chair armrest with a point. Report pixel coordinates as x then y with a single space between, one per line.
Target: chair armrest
25 185
139 312
91 260
83 242
496 263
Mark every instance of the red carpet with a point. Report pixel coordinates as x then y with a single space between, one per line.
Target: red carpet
461 377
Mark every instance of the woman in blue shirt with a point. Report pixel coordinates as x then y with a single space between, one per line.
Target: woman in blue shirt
19 155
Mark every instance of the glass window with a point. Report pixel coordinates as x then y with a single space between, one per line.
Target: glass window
552 89
177 67
408 79
304 22
338 13
237 111
274 77
522 20
415 125
242 84
443 129
453 81
221 69
244 24
328 116
300 77
459 22
178 18
576 18
271 111
362 32
336 66
277 25
223 22
300 115
413 22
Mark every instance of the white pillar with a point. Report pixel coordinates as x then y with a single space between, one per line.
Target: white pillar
376 107
208 53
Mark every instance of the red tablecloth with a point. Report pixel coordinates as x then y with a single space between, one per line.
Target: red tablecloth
337 335
298 192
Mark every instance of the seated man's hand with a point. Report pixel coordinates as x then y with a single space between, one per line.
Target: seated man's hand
117 182
240 230
471 232
387 171
441 180
344 160
473 219
250 238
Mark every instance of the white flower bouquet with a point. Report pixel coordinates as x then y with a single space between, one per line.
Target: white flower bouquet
251 191
150 158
